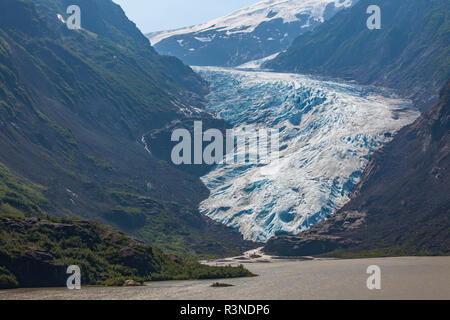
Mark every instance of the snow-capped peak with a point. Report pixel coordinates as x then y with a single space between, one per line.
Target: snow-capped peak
247 19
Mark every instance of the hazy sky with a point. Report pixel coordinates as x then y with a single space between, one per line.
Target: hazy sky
156 15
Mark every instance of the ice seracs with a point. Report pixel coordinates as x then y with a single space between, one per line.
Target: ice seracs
327 132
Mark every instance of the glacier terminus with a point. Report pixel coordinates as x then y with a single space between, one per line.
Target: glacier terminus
328 130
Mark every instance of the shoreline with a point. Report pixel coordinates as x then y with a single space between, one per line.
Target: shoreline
258 256
253 256
341 279
248 258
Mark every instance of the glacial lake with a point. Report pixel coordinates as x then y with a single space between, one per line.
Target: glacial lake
401 278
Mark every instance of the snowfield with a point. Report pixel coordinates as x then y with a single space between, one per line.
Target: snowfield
247 19
253 33
328 131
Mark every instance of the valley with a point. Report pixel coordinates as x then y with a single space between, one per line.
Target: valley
354 174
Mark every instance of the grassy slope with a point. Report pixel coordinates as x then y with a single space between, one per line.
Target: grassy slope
19 196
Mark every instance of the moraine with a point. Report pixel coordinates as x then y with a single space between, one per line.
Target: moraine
328 130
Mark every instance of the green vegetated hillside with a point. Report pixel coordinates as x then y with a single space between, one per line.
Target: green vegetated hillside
35 252
401 206
74 105
410 52
20 197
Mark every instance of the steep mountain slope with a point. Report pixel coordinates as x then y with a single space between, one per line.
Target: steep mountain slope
402 203
74 105
410 52
252 33
48 245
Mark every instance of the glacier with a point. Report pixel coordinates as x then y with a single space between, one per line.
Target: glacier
328 130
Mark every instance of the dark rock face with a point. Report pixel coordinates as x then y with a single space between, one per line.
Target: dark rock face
162 146
221 285
36 268
326 236
401 205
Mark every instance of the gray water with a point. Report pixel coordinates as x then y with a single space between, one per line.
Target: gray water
401 278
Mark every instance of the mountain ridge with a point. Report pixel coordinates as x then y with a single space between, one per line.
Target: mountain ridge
252 33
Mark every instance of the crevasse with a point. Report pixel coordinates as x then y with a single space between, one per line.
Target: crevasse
328 131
